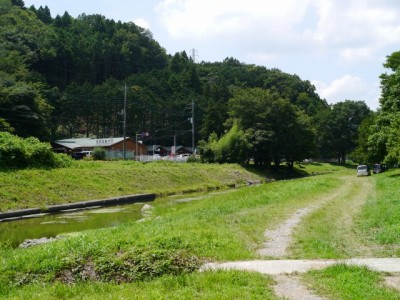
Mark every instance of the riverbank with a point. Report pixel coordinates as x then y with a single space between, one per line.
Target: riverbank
78 205
159 257
89 180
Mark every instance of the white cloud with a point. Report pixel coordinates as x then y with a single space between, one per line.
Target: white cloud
210 18
345 85
142 23
351 25
261 58
352 55
320 39
348 87
355 29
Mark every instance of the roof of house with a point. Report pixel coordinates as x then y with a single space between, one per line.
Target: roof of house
88 142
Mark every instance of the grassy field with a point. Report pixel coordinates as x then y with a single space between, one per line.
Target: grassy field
158 257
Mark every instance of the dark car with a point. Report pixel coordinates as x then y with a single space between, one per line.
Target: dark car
378 168
77 155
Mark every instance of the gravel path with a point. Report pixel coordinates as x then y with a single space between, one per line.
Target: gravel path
279 239
288 285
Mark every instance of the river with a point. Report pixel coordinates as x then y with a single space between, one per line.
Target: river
15 231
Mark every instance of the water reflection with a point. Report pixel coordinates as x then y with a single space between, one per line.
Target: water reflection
15 231
51 225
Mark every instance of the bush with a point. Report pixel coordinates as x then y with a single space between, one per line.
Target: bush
16 152
230 148
99 153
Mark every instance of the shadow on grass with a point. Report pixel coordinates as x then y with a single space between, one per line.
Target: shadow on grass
283 172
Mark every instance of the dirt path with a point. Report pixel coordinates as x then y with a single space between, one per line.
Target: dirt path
393 281
280 238
290 287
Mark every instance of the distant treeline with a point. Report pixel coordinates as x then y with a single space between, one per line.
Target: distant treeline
65 77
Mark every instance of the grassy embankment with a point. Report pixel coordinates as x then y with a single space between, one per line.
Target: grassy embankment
175 242
89 180
155 259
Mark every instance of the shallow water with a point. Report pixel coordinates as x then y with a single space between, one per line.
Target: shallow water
15 231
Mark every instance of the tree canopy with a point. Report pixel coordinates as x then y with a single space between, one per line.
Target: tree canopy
65 77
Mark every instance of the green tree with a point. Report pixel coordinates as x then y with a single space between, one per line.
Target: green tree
362 154
341 126
384 140
277 130
230 148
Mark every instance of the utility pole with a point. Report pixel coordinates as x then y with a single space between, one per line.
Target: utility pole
174 152
192 120
123 143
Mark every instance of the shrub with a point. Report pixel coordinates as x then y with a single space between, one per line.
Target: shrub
16 152
99 153
230 148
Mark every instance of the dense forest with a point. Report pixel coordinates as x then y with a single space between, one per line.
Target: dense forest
68 77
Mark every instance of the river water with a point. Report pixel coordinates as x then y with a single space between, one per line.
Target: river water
14 232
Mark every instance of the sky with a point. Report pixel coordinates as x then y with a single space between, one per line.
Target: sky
338 45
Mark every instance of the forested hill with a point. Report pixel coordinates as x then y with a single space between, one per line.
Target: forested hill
64 77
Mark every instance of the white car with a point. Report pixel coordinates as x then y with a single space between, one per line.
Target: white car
363 170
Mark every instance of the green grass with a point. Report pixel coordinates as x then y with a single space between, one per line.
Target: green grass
360 222
174 242
331 231
88 180
363 221
381 216
157 258
350 282
209 285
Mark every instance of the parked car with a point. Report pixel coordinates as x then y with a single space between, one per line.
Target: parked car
86 153
77 155
378 168
363 170
80 155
